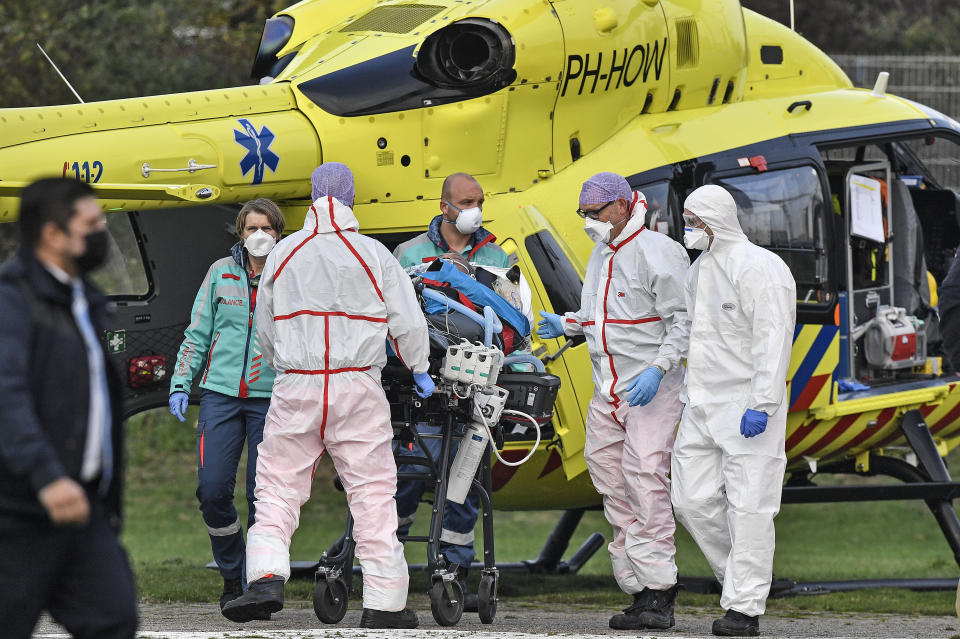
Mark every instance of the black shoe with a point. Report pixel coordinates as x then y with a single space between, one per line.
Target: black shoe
736 624
471 603
659 609
262 598
629 619
405 618
232 588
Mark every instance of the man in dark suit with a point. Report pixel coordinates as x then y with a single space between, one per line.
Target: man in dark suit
60 432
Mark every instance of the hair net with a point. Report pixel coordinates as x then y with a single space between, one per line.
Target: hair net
335 179
605 187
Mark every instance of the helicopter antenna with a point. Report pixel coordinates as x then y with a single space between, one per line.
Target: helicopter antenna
792 24
62 77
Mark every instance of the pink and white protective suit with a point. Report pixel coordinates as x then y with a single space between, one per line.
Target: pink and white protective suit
633 314
726 487
329 300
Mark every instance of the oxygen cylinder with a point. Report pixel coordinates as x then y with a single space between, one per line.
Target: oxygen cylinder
464 467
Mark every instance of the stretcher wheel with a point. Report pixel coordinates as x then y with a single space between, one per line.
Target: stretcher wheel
446 601
330 600
487 599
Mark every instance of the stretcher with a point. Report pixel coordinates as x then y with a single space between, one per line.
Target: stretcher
466 362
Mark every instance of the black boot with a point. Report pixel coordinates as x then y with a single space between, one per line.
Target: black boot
659 611
262 598
470 601
232 588
629 619
736 624
405 618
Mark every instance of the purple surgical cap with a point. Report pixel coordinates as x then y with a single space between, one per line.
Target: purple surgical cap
605 187
335 179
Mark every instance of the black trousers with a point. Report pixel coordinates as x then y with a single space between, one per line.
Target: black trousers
80 575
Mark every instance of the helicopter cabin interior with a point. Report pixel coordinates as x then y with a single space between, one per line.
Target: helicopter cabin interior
867 220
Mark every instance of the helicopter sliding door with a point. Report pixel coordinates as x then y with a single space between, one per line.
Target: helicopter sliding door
159 260
156 264
869 268
785 211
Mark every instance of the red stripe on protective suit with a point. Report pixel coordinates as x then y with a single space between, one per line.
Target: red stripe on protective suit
292 253
326 365
364 318
396 348
366 268
645 320
326 371
606 294
603 335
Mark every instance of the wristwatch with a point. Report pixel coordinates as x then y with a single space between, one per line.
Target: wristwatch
659 368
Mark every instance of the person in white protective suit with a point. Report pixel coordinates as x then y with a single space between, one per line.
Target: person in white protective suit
728 460
633 314
329 300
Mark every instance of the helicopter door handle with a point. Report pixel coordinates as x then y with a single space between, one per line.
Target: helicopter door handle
807 104
192 167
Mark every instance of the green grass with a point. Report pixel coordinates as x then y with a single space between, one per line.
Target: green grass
168 543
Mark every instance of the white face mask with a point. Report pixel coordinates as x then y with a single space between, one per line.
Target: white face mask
598 231
469 220
259 243
694 238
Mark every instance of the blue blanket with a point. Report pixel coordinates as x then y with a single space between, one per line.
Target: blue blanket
477 293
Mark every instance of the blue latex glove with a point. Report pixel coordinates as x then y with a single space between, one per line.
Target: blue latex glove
178 405
550 326
424 384
753 423
642 389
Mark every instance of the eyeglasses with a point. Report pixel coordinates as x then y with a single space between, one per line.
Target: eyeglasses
595 213
691 220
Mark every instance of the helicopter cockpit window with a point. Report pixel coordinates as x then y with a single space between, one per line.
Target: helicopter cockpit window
559 277
783 211
467 59
123 275
661 207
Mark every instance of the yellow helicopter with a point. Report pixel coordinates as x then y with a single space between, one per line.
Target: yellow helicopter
532 97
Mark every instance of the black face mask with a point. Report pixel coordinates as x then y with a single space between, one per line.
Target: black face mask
98 248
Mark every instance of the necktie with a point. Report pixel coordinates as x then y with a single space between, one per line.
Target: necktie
100 417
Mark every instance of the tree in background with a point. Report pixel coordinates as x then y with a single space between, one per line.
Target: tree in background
871 26
123 48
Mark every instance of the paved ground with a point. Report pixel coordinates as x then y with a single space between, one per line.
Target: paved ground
203 621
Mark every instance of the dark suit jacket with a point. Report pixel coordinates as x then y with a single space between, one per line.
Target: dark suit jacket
44 391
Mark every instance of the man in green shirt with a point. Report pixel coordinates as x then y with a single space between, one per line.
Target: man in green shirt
457 229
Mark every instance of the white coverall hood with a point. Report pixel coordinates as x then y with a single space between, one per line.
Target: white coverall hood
329 215
716 207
